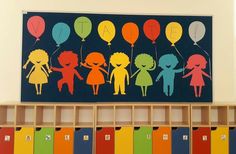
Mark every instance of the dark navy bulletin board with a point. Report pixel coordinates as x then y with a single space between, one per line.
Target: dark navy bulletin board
183 92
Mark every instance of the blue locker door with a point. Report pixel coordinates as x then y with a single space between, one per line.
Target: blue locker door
83 141
180 140
232 140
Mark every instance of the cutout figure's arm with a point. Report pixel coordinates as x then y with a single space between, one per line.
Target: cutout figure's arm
111 76
56 69
187 75
24 67
205 74
85 65
44 70
154 66
103 70
179 70
78 75
30 72
127 76
159 76
135 73
49 70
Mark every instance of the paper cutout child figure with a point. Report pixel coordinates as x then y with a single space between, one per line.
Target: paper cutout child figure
168 62
144 63
38 75
95 78
197 63
69 61
119 61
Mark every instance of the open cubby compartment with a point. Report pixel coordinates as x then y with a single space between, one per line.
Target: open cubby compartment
105 116
219 115
45 115
161 115
232 116
180 115
84 116
142 115
200 115
65 116
25 115
123 115
7 115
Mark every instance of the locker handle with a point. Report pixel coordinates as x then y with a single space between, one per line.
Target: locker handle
99 128
136 128
77 129
195 128
58 129
118 128
155 128
232 128
38 129
174 128
18 128
213 128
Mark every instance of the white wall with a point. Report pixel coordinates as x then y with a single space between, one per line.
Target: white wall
223 41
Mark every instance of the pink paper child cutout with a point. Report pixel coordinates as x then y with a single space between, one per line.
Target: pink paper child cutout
69 61
197 63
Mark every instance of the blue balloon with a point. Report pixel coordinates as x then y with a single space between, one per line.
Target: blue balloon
60 33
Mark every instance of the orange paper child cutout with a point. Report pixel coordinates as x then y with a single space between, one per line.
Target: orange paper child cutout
38 75
119 61
69 61
95 61
197 63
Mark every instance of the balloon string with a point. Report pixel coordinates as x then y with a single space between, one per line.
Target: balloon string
52 55
109 65
209 59
81 53
155 51
181 58
131 61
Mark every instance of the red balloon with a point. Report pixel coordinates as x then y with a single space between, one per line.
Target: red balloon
36 26
152 29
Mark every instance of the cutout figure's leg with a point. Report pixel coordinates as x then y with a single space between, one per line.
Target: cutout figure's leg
40 88
116 88
142 89
171 90
71 88
122 88
200 91
195 91
165 89
60 84
93 87
97 89
36 88
145 90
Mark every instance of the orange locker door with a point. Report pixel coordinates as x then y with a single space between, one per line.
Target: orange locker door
63 141
201 140
161 140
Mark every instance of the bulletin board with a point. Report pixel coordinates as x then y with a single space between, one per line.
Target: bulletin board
83 57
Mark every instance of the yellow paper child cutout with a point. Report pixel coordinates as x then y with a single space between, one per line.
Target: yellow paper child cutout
38 75
119 61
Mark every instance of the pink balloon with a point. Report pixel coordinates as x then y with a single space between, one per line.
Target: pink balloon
36 26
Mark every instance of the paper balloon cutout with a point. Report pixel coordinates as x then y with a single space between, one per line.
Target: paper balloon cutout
107 31
130 32
83 27
152 29
174 32
196 31
36 26
60 33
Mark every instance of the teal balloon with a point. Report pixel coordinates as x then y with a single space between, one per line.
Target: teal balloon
60 33
83 27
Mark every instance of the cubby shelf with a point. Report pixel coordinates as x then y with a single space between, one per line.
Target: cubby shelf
180 115
200 115
7 117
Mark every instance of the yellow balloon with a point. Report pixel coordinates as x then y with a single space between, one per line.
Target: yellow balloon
174 32
107 31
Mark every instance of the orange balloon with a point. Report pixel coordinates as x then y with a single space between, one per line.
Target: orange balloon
130 33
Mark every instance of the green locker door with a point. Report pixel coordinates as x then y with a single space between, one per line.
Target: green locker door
43 143
143 140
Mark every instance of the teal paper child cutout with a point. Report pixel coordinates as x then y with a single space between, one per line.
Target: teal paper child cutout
168 62
144 63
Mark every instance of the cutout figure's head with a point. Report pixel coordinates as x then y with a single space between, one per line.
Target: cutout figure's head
196 61
144 61
168 61
119 59
38 57
95 59
68 59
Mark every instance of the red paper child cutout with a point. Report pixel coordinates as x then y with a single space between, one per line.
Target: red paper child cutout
95 78
69 61
197 63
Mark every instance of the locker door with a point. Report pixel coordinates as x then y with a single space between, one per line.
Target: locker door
201 140
161 140
6 140
220 140
180 140
124 140
143 140
83 141
24 141
105 141
232 140
43 143
63 141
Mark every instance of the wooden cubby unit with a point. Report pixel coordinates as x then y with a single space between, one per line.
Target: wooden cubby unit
65 116
25 115
123 115
161 115
84 116
219 116
232 116
180 115
7 115
200 115
45 115
105 115
142 115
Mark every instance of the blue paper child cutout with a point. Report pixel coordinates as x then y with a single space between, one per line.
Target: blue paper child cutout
168 63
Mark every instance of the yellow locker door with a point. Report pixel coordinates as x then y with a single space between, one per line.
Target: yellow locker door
24 141
124 140
220 140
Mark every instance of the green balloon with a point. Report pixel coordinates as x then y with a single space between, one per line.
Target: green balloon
83 27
